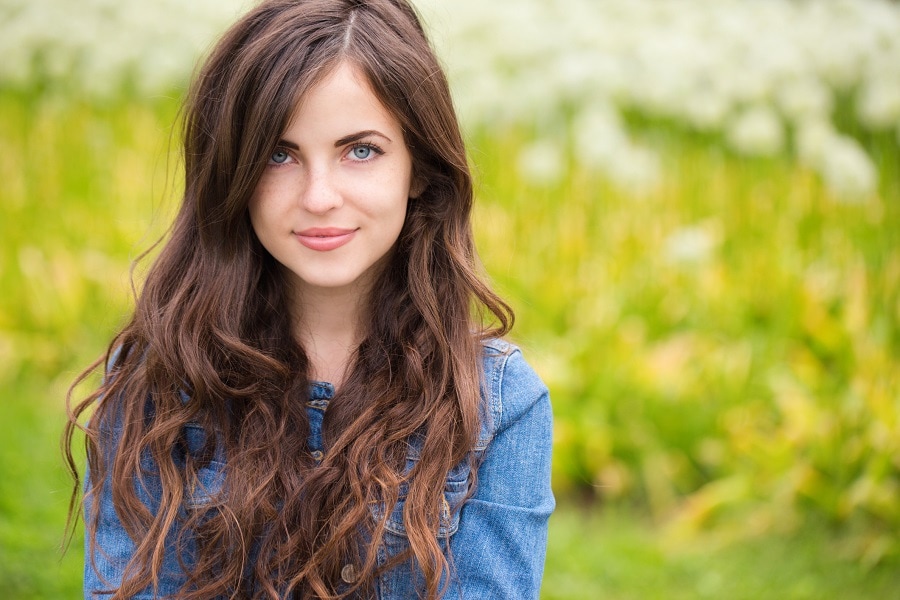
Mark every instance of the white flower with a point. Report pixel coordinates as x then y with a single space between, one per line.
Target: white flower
602 143
635 169
690 245
756 132
706 110
803 98
541 163
599 135
476 97
811 137
878 103
743 68
96 45
847 170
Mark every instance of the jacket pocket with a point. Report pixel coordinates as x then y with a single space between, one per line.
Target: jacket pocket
456 487
204 487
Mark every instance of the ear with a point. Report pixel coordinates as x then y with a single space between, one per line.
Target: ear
417 186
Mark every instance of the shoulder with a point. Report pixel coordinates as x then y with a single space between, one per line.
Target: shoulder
510 388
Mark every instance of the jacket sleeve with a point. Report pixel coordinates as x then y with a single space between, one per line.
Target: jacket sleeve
499 549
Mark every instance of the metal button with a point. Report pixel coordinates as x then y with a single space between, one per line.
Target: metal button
348 574
317 455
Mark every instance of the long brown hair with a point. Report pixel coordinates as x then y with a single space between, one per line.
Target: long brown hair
210 340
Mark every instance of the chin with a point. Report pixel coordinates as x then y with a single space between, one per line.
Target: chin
333 281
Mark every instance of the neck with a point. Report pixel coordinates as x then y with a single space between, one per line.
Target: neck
328 328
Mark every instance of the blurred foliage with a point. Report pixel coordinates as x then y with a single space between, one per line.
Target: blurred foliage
723 348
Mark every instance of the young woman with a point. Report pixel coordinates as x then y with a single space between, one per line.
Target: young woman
310 400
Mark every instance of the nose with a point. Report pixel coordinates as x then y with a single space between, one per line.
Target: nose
319 192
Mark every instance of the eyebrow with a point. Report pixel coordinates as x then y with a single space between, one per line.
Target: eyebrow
355 137
347 139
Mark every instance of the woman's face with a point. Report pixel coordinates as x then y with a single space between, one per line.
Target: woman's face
332 199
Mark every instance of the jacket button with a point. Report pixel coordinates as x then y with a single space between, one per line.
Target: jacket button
317 455
348 574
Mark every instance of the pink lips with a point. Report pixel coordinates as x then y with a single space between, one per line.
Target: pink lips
323 239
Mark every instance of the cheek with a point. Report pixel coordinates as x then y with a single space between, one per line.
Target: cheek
398 186
387 212
381 198
262 221
262 203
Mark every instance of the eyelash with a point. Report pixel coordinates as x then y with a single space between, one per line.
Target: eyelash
376 150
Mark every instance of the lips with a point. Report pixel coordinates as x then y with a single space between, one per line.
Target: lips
323 239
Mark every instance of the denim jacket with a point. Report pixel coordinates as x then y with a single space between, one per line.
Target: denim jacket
497 538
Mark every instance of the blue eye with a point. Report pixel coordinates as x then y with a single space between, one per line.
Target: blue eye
362 152
279 157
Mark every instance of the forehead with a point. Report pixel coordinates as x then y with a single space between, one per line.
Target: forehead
341 94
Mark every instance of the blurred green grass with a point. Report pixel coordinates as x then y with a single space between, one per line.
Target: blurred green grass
721 350
34 492
618 555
